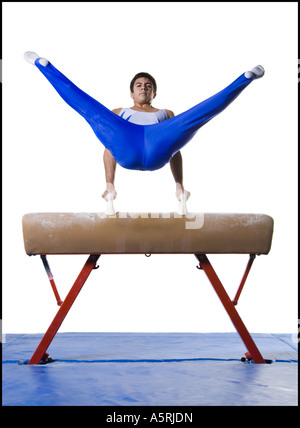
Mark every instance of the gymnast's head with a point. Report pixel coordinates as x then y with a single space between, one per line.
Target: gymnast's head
143 84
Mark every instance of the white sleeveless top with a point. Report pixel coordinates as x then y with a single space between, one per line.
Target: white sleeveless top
142 117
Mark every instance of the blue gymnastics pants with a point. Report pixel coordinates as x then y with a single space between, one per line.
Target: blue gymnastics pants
141 147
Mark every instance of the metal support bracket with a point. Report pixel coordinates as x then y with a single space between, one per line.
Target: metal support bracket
253 351
51 279
40 354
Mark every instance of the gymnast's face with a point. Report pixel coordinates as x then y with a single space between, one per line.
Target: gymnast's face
143 91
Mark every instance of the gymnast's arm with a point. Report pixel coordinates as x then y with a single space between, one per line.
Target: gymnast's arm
176 168
110 168
176 160
109 161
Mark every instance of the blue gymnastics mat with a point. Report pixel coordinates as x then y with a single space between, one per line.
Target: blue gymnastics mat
149 369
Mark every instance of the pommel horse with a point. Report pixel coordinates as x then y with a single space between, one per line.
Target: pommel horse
137 233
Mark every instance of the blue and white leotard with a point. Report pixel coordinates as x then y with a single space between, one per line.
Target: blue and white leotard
136 146
143 118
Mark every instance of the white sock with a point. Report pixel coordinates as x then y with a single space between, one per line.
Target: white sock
256 72
32 56
44 62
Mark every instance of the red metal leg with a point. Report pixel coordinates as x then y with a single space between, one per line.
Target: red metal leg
238 293
38 355
51 279
253 351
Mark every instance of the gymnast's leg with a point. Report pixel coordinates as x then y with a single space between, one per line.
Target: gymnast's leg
203 112
123 139
70 93
168 137
97 115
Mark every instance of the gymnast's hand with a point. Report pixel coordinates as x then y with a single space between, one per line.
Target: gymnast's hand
110 189
180 190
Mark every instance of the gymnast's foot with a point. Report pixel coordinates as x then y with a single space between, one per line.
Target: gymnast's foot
110 188
32 56
256 72
180 190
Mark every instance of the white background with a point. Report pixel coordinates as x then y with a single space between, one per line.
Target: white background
244 160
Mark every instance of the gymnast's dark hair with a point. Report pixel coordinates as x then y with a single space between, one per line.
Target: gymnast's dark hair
148 76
